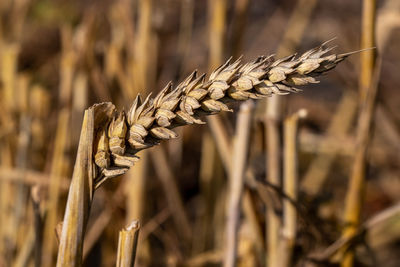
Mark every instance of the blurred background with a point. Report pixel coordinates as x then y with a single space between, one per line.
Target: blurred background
59 57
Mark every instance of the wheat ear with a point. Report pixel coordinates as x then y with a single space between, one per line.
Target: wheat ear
152 120
109 139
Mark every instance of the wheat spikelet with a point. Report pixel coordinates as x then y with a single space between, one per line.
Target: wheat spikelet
152 120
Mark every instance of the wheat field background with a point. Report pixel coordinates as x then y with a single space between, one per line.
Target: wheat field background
305 170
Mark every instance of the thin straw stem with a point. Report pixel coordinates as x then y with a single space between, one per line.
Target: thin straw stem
236 181
81 190
222 141
367 59
239 25
38 224
273 177
127 243
290 186
171 191
368 92
78 203
295 29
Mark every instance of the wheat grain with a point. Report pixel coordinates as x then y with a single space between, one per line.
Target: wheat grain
152 120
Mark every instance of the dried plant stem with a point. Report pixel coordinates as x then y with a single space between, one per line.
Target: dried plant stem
185 36
5 209
25 252
296 26
212 175
9 56
21 232
145 49
21 159
239 20
207 182
356 190
236 181
135 189
217 31
81 189
218 130
154 223
383 228
368 92
222 141
8 78
79 102
206 258
387 20
172 193
385 216
21 190
38 224
39 108
290 186
367 41
127 243
250 213
79 198
29 177
27 235
143 63
273 177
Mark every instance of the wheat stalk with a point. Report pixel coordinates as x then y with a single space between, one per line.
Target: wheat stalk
127 243
152 120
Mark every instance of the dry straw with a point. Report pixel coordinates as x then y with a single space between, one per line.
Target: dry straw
127 243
